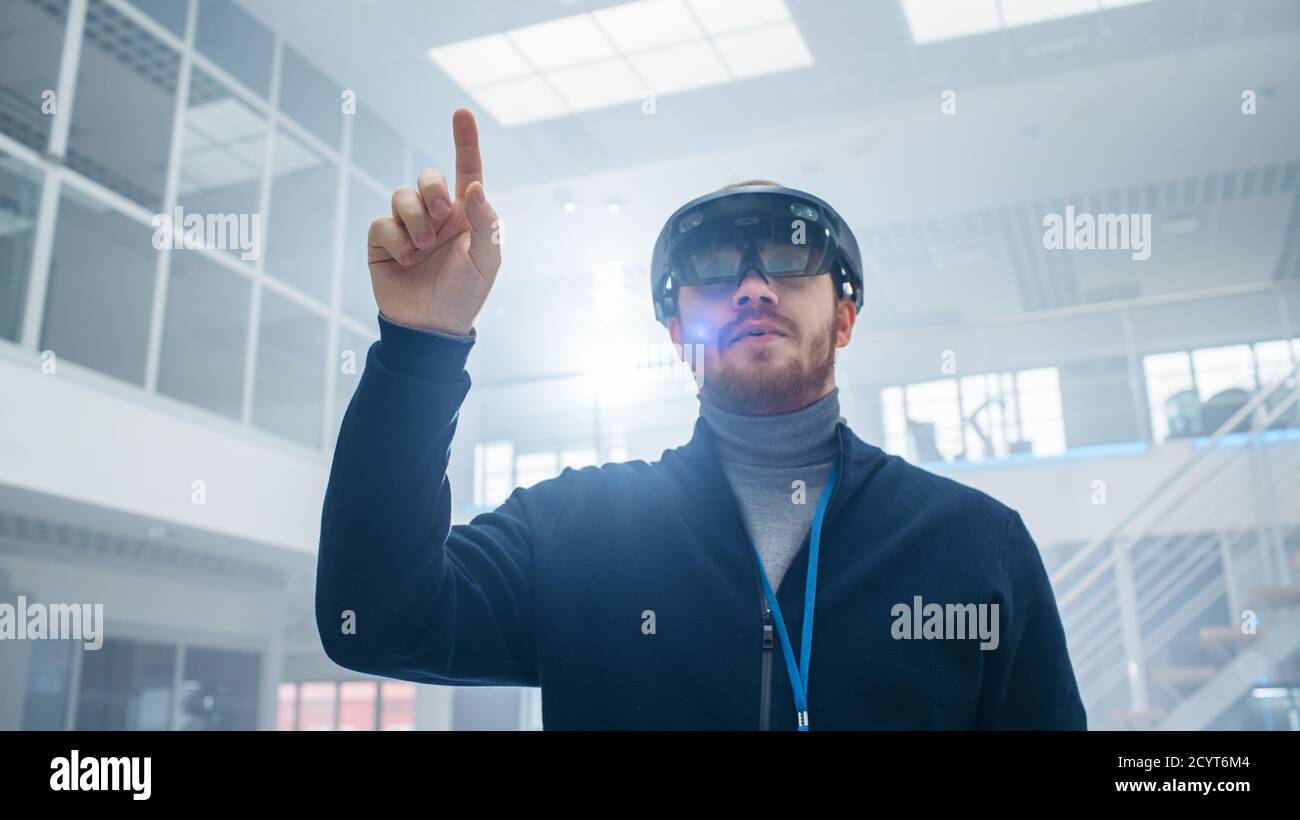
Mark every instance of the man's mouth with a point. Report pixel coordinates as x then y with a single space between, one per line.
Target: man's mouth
756 333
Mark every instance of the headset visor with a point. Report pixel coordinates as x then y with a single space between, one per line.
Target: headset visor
721 240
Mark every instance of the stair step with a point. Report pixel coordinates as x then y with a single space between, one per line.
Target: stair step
1266 595
1228 637
1184 675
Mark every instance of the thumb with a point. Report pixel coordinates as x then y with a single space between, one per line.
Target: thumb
485 231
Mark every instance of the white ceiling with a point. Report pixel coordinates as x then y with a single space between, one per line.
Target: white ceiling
1111 104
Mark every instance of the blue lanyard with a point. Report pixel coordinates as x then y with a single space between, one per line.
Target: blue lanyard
799 676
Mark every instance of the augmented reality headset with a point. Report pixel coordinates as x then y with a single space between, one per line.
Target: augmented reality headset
722 236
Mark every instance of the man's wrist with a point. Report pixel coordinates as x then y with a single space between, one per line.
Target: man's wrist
468 336
427 354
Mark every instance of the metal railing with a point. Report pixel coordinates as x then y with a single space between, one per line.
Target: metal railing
1199 536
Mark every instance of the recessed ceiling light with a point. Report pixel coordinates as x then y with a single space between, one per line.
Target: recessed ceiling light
764 51
564 42
596 85
619 53
520 101
932 20
570 207
648 24
678 68
720 16
480 61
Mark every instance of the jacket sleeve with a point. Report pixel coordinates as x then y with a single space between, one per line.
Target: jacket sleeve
400 592
1029 681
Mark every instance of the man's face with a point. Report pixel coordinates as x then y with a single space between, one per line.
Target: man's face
768 343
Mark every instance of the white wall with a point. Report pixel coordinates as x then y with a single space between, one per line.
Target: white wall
77 435
1055 497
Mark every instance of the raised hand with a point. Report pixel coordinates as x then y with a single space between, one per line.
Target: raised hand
434 260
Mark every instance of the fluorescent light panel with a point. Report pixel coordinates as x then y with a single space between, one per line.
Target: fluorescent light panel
649 24
764 50
559 43
617 54
934 20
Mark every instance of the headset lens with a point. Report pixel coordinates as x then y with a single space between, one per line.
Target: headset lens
704 257
723 262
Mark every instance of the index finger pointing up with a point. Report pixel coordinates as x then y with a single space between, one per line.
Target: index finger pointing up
469 164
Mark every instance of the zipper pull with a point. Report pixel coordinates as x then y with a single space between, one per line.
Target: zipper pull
768 640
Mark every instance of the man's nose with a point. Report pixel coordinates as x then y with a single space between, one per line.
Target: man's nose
754 287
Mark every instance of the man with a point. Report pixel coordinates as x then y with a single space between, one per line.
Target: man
633 594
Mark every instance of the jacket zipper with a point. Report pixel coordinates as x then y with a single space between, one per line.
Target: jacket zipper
765 697
765 701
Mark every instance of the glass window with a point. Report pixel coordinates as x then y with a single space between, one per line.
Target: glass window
1223 368
234 40
357 706
934 420
171 13
985 415
353 348
316 706
397 711
31 45
46 701
1274 360
286 711
100 295
364 204
1038 399
205 333
20 196
313 100
531 468
218 690
222 151
300 229
980 426
126 685
895 420
122 119
1171 395
493 472
290 385
378 149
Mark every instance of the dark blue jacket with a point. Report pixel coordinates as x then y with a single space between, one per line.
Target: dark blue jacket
552 588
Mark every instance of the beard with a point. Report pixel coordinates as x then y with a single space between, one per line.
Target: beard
769 381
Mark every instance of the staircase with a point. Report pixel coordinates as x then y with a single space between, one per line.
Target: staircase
1188 603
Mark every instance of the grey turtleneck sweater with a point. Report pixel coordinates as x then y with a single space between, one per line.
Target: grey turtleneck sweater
763 458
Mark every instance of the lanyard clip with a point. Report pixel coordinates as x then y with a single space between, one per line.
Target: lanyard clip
803 719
